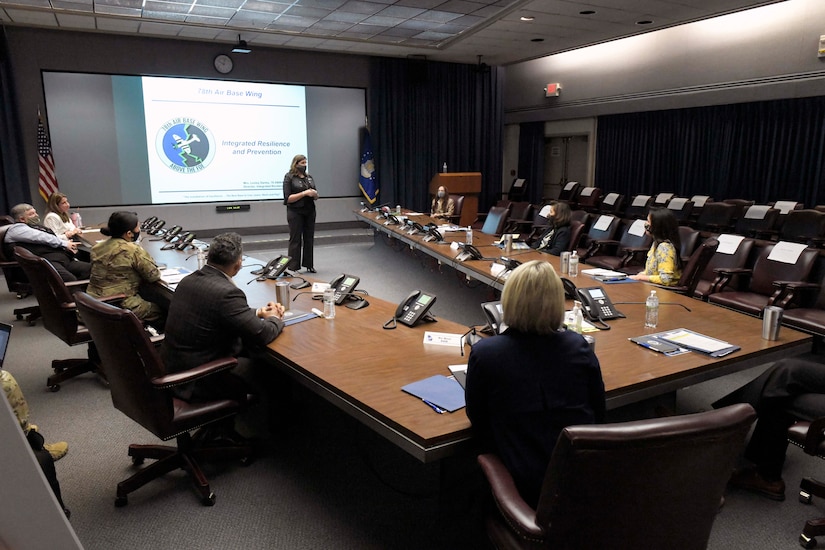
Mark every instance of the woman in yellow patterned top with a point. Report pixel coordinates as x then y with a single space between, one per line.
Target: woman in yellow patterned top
664 264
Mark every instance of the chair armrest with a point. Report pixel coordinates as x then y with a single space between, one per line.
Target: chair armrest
597 246
518 514
724 275
74 286
788 291
630 254
814 436
193 374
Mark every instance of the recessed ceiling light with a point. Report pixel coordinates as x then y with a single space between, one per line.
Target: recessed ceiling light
537 40
644 22
528 18
587 12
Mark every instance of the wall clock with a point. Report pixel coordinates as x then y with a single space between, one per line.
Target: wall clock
223 63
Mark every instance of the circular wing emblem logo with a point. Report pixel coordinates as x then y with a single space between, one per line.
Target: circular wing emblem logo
185 145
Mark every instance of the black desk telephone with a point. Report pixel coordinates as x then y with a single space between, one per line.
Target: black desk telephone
414 227
494 314
156 226
434 234
344 285
273 269
185 242
172 233
147 223
414 308
596 304
468 252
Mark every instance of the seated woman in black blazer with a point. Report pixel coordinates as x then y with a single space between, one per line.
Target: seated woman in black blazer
556 239
524 386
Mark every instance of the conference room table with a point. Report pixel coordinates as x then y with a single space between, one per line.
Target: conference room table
631 372
358 366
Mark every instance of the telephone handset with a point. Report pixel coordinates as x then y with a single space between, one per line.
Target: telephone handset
156 227
597 305
272 265
147 223
468 252
434 234
344 284
414 308
415 227
494 314
391 220
277 268
185 242
173 231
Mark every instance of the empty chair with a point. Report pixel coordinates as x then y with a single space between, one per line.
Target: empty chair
662 199
57 307
741 205
520 218
733 252
784 208
518 189
589 199
653 483
692 271
716 217
758 221
616 255
142 390
681 208
638 207
482 216
612 204
804 226
810 437
699 202
604 227
496 218
762 287
689 238
570 191
576 233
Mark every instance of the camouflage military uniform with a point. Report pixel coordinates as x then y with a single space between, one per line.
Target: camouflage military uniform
119 267
16 400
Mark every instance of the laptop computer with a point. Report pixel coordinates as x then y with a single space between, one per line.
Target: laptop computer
5 333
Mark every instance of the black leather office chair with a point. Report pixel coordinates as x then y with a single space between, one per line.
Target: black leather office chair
733 260
589 199
612 204
681 208
758 221
604 227
496 218
638 207
716 217
645 484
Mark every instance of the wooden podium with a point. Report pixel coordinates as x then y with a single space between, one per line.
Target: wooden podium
461 183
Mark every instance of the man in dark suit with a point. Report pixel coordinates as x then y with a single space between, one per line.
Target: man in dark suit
210 318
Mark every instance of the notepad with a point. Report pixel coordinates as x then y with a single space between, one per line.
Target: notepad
173 275
698 342
439 390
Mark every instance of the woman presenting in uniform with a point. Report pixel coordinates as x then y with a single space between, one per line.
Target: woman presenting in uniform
299 197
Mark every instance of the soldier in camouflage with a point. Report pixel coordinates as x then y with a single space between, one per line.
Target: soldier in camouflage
120 265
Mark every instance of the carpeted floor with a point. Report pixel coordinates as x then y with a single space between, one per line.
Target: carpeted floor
326 482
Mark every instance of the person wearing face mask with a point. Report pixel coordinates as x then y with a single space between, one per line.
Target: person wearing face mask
556 238
27 232
663 265
120 266
443 206
299 197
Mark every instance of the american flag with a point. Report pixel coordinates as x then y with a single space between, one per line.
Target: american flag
47 181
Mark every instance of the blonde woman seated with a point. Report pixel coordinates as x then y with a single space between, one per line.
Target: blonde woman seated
524 386
57 217
664 264
443 206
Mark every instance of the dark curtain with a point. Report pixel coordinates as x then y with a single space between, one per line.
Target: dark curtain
531 159
423 114
764 151
15 187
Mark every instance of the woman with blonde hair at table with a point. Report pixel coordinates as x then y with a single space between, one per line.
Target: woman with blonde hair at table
527 384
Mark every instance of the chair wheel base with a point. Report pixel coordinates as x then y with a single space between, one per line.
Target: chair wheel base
120 502
54 388
209 500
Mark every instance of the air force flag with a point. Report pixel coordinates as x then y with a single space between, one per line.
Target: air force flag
368 182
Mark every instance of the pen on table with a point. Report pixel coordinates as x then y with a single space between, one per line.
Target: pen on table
434 407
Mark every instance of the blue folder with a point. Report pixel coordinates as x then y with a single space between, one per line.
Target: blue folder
439 390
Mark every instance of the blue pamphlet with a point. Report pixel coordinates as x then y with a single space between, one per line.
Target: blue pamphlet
439 390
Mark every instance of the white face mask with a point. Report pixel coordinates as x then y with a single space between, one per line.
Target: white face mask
441 194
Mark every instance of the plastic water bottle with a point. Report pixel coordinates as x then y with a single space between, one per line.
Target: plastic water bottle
329 303
578 317
652 310
444 168
469 236
573 267
201 258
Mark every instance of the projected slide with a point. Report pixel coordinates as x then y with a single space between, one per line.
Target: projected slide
212 140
